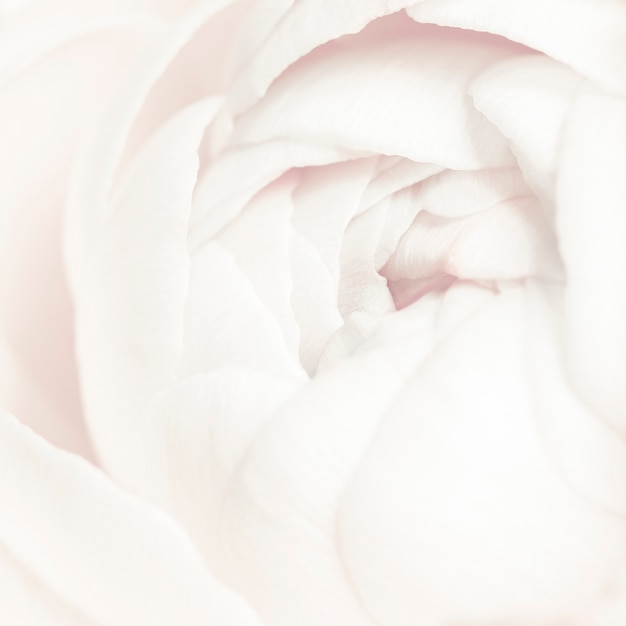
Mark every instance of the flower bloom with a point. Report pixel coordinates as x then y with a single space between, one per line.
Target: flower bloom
343 286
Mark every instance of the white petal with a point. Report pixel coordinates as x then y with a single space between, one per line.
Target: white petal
200 429
556 28
393 174
96 165
288 488
528 99
27 601
238 174
402 208
405 96
591 225
259 241
325 201
288 30
361 287
37 144
591 455
456 512
226 323
456 193
99 549
508 241
130 312
313 299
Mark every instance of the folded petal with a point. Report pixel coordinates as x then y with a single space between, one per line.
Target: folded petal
201 429
528 99
456 512
130 311
556 28
49 96
239 173
103 148
100 551
510 240
227 324
455 193
288 486
404 96
591 222
287 30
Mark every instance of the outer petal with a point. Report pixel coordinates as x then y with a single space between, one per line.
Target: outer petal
456 513
130 310
52 65
397 96
200 429
591 226
289 29
103 149
109 558
528 98
288 486
556 28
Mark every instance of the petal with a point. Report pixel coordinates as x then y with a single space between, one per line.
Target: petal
98 549
381 97
393 174
556 28
289 29
36 147
361 287
325 201
200 429
313 300
456 193
286 490
130 311
528 99
226 324
103 148
239 173
591 224
29 602
456 512
511 240
589 453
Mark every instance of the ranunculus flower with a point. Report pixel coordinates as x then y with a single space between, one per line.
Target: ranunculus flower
339 287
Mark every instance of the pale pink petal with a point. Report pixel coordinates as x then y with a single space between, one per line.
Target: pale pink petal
226 323
313 300
510 240
50 94
556 28
591 224
528 99
405 96
238 174
361 287
103 148
100 551
393 174
28 601
200 429
130 304
287 489
259 241
282 32
455 193
456 512
325 201
590 454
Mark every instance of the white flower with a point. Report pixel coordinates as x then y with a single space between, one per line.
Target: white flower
347 303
